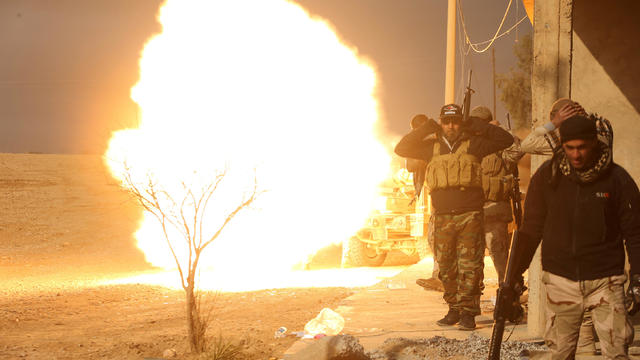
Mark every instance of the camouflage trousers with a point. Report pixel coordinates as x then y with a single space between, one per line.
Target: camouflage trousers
459 248
430 231
568 300
497 216
498 243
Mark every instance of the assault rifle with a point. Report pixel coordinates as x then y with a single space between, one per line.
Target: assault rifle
466 103
512 286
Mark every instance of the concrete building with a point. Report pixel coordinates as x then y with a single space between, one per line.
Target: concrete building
588 51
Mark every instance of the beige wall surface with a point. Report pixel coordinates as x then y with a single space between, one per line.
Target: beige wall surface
550 80
605 71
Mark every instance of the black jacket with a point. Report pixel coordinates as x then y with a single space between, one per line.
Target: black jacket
484 139
582 225
417 168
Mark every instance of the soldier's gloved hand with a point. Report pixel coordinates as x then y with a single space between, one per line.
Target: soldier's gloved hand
510 307
432 126
516 285
519 285
633 295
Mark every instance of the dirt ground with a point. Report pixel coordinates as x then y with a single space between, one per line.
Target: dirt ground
65 225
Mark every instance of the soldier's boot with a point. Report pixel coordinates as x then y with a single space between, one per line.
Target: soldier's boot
452 318
467 321
431 284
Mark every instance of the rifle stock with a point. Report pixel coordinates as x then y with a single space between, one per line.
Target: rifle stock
507 301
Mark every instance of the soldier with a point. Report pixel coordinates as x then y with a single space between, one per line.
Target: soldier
418 169
497 183
585 209
544 140
432 283
454 179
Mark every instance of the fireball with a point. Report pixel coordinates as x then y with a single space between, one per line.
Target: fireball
257 89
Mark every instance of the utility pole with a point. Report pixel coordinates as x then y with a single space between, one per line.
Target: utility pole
493 63
450 71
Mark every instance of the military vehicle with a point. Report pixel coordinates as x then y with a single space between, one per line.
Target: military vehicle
399 225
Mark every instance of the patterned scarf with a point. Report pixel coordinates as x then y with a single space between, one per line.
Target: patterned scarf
561 165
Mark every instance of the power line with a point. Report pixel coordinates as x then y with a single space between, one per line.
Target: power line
495 36
504 33
463 57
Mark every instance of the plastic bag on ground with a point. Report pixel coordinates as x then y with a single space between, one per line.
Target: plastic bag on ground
327 322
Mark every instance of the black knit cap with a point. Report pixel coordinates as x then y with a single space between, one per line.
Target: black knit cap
578 127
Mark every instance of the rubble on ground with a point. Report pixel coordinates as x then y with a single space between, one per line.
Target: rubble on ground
439 347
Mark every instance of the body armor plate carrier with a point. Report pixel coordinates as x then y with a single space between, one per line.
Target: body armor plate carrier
497 181
457 169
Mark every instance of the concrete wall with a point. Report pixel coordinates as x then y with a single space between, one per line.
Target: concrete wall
605 71
550 80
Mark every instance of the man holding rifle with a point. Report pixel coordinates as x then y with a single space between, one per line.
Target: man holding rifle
585 209
454 178
497 184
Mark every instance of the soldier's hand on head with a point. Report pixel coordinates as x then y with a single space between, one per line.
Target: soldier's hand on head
566 112
432 125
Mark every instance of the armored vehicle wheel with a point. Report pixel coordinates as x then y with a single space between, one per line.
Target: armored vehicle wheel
357 253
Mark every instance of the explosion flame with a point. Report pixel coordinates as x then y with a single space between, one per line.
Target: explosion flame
255 87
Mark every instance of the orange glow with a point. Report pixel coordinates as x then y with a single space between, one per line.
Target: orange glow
261 85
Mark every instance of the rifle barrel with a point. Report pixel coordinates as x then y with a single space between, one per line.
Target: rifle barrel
496 340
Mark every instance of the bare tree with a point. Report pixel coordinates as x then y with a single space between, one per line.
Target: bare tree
185 213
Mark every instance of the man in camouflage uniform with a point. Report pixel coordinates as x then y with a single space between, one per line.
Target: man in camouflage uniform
497 183
432 283
584 209
418 169
454 179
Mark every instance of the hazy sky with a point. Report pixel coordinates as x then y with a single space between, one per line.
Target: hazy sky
68 65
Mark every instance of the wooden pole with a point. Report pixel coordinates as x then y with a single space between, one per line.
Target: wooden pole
450 73
493 63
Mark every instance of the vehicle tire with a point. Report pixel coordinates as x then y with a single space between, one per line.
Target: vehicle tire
357 253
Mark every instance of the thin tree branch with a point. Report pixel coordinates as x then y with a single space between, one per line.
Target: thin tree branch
245 203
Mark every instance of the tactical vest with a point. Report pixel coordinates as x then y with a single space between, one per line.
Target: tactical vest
458 169
497 182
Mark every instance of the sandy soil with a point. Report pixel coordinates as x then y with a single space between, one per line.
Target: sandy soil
65 225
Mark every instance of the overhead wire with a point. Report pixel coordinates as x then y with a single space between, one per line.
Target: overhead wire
468 60
506 32
463 57
473 46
